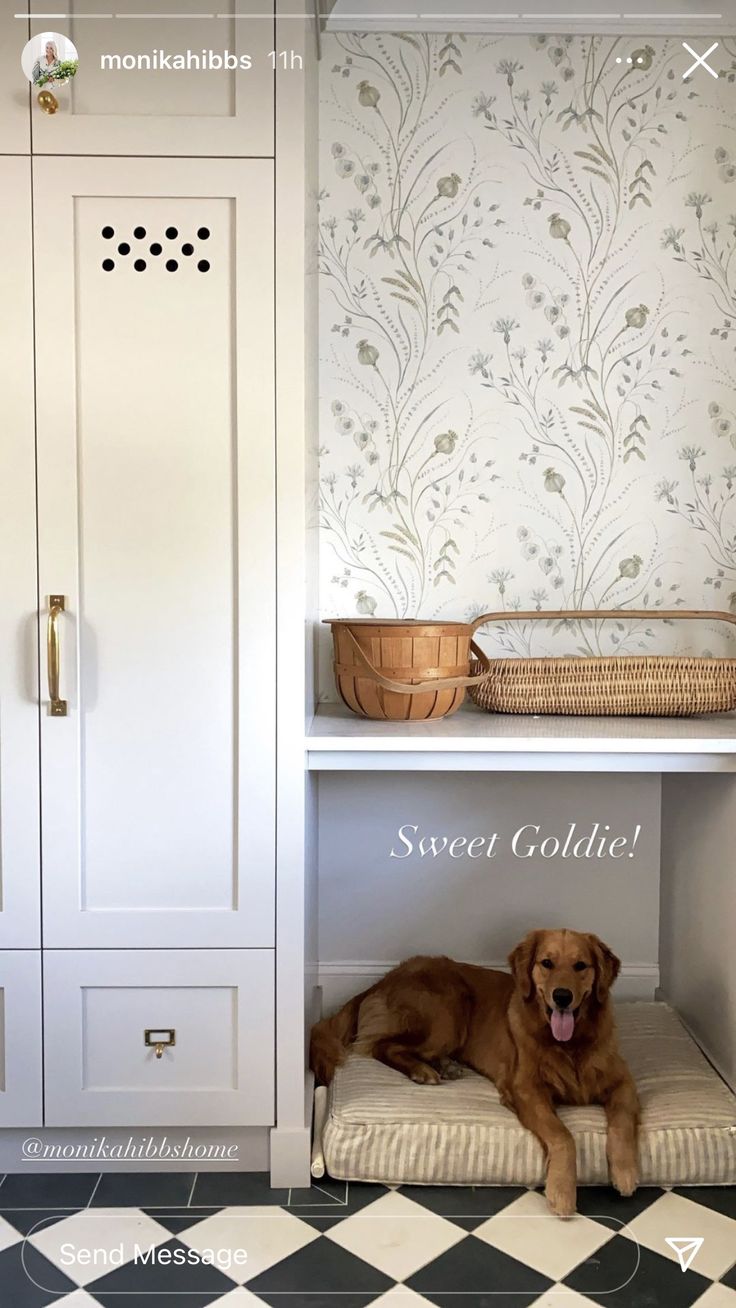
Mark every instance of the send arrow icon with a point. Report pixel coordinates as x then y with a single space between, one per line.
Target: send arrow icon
685 1246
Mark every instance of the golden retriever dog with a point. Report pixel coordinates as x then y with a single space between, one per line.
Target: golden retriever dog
545 1035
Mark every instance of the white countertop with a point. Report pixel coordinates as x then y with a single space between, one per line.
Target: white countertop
474 739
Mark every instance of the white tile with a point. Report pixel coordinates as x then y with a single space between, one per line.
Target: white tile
717 1296
674 1215
400 1296
79 1299
559 1296
267 1235
105 1232
8 1235
396 1235
237 1298
527 1231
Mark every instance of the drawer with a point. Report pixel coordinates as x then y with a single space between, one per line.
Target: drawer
21 1100
211 1012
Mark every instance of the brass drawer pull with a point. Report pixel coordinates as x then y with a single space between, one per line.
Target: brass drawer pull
159 1038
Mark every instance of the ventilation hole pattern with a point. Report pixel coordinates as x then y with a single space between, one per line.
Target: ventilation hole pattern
156 248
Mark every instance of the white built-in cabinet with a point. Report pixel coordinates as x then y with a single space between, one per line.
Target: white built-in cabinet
216 1004
140 110
138 571
154 373
21 1070
15 121
20 887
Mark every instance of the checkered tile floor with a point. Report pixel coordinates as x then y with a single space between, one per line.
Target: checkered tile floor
345 1247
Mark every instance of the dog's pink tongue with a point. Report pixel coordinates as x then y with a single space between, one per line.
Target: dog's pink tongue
563 1024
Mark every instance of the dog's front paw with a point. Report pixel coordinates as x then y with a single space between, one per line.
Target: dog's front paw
625 1178
561 1195
423 1074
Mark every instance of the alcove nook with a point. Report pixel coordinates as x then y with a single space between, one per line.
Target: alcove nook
511 218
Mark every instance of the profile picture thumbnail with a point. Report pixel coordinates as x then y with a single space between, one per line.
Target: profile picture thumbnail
49 59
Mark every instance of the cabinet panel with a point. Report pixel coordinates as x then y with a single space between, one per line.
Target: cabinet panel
218 1006
21 1098
156 509
150 84
15 119
19 798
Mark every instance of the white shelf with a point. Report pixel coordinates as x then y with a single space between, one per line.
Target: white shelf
472 740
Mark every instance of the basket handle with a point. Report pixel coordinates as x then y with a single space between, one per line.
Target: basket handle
536 615
438 683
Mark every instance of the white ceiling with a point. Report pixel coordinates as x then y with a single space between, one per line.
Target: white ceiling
616 17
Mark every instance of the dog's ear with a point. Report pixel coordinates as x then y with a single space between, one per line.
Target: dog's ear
607 967
521 960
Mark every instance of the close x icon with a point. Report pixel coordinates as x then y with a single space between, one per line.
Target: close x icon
701 61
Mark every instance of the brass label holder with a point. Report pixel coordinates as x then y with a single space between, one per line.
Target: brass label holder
159 1038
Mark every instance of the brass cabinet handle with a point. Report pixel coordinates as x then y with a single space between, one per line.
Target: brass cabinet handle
57 706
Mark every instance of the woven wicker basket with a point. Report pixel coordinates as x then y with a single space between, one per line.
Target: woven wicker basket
659 685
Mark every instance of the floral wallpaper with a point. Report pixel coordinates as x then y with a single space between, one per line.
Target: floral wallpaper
528 335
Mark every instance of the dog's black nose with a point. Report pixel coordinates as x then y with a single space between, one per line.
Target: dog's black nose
562 998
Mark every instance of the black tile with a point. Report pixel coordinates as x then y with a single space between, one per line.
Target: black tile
325 1205
467 1206
28 1280
321 1275
722 1198
143 1299
625 1275
604 1201
730 1278
228 1189
47 1190
143 1190
474 1275
198 1284
178 1219
27 1220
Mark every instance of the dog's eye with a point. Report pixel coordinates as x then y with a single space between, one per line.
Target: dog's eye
547 962
579 967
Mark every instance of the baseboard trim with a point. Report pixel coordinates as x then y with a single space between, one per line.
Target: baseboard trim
342 977
379 967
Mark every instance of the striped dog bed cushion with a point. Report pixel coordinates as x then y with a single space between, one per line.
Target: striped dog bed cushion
375 1125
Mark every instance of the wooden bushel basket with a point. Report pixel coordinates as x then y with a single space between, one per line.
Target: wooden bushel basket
405 671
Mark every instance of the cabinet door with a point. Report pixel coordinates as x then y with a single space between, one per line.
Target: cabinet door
212 1010
19 802
156 510
21 1097
15 119
131 97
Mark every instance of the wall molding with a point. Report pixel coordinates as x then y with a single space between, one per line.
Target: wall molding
379 967
341 979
